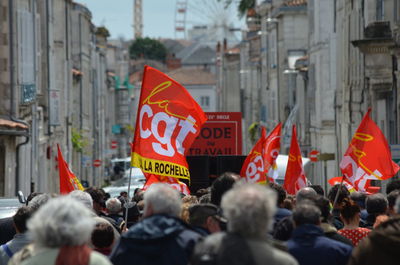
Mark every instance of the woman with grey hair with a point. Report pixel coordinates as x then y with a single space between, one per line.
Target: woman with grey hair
249 209
60 231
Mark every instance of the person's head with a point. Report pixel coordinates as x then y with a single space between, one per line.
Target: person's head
139 194
31 196
21 217
350 211
221 185
207 216
249 209
201 192
97 197
280 191
392 197
343 193
306 193
102 235
123 194
324 206
376 204
306 214
113 206
397 206
318 189
62 221
359 198
133 213
393 185
187 201
162 199
38 201
206 198
82 197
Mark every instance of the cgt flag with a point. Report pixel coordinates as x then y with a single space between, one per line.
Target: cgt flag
271 152
253 169
295 178
168 121
68 180
368 156
173 182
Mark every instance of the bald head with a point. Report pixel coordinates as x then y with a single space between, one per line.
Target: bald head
306 193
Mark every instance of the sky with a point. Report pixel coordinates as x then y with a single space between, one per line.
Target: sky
158 16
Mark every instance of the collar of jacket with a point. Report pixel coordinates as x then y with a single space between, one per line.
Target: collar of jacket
307 231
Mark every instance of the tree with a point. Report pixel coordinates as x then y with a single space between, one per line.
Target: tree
243 6
148 49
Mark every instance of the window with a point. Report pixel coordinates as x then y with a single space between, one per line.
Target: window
379 10
205 101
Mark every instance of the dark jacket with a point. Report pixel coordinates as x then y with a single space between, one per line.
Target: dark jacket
382 245
158 239
309 246
7 230
280 214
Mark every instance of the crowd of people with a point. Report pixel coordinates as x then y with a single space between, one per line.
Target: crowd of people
231 222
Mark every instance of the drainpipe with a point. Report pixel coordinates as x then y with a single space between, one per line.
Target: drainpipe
49 133
12 94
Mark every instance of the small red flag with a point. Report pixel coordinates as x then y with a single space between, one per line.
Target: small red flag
271 152
68 180
253 169
173 182
295 178
368 156
168 122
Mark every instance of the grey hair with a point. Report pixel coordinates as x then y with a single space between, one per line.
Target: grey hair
397 205
62 221
38 201
249 209
306 193
83 197
163 199
113 205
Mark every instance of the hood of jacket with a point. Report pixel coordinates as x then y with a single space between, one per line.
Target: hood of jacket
306 234
387 236
156 227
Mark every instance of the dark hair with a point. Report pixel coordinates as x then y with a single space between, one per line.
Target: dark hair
318 189
343 193
348 209
306 214
138 196
280 192
324 206
376 204
198 213
392 196
20 218
393 185
221 185
102 235
96 194
201 192
359 198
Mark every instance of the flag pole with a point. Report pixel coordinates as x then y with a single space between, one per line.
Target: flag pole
127 204
337 194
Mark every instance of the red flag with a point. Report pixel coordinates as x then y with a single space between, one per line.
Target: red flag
253 169
368 156
173 182
168 121
337 180
295 178
271 152
68 181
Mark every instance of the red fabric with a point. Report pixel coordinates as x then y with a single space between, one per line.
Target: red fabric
355 235
295 178
253 169
271 151
73 255
68 180
168 122
173 182
368 156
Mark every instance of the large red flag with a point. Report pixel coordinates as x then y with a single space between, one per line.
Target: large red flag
295 178
368 156
173 182
68 180
271 152
253 169
168 121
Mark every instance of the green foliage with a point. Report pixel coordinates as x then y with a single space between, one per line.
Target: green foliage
243 6
103 31
78 140
253 129
148 49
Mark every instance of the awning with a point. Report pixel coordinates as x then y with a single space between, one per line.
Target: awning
8 127
76 72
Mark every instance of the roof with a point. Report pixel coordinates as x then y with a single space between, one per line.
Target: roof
12 124
296 3
193 76
8 127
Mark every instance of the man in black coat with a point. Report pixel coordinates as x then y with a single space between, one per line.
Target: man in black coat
161 237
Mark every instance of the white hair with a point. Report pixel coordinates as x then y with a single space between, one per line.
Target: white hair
163 200
83 197
113 205
249 209
62 221
38 201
